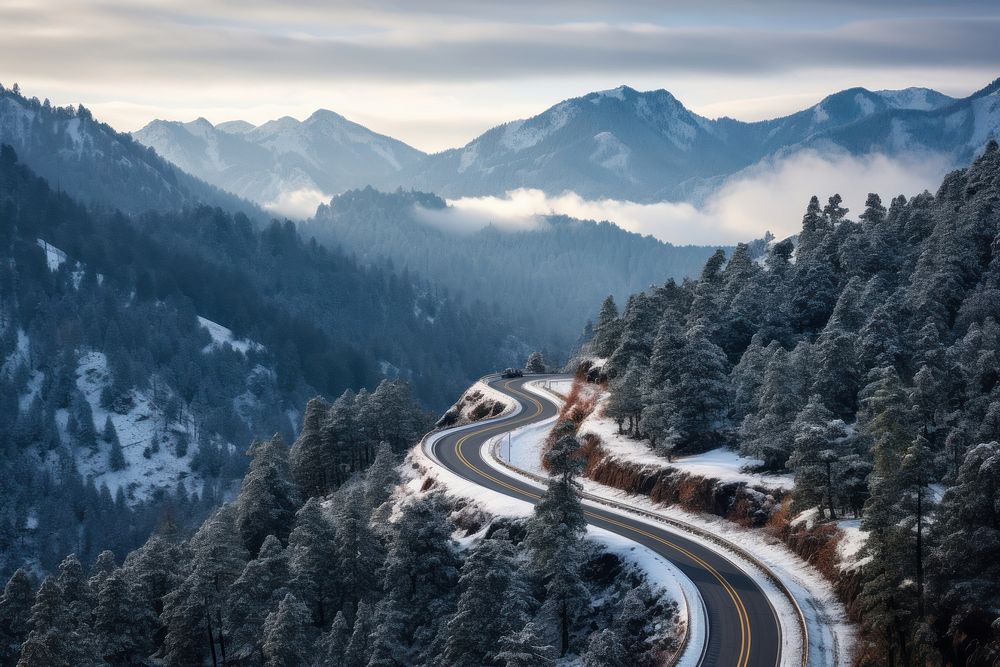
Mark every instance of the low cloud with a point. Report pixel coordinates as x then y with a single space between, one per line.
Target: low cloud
770 196
299 204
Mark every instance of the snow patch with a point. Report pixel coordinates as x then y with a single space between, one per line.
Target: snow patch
222 336
54 257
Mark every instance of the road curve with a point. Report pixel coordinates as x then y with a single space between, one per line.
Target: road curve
743 628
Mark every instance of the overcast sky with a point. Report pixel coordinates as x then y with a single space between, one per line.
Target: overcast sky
436 73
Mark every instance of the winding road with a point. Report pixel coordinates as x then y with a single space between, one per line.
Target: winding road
743 629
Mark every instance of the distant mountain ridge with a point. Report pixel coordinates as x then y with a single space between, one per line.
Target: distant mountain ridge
619 143
92 162
324 153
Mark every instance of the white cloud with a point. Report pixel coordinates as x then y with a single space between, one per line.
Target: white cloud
300 204
770 196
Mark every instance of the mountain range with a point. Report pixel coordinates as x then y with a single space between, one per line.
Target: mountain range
93 163
620 143
326 153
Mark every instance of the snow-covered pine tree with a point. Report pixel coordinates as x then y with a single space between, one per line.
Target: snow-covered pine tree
332 644
604 649
193 611
419 579
123 624
268 499
607 330
555 534
488 576
308 457
700 397
15 615
535 364
251 597
312 548
357 551
525 648
625 402
819 446
965 562
287 634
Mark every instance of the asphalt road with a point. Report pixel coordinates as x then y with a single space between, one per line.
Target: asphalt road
743 629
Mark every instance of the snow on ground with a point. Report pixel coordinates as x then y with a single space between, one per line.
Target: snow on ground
223 336
19 355
54 257
479 399
523 447
137 430
851 542
722 464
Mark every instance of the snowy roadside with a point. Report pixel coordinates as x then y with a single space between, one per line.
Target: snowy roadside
720 464
830 636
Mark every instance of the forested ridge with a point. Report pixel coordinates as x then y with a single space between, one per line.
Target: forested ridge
97 165
544 280
323 559
118 405
863 356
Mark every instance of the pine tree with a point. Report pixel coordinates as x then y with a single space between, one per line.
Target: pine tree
625 402
485 584
604 649
658 421
257 590
308 457
123 625
536 364
359 646
193 611
357 551
555 534
15 614
52 632
418 579
700 398
525 648
381 477
965 563
818 450
101 569
886 421
332 644
312 546
766 433
607 330
267 500
286 634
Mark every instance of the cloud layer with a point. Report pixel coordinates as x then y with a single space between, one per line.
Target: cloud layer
769 197
416 68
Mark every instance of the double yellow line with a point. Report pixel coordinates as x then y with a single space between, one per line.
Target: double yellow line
745 637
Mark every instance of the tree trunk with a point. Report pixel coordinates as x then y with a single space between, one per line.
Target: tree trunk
211 638
222 635
920 551
829 488
564 640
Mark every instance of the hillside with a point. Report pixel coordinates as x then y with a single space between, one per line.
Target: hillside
862 358
543 279
92 162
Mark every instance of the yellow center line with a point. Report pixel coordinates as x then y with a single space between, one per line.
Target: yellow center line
741 612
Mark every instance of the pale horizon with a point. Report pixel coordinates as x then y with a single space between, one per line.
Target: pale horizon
438 76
